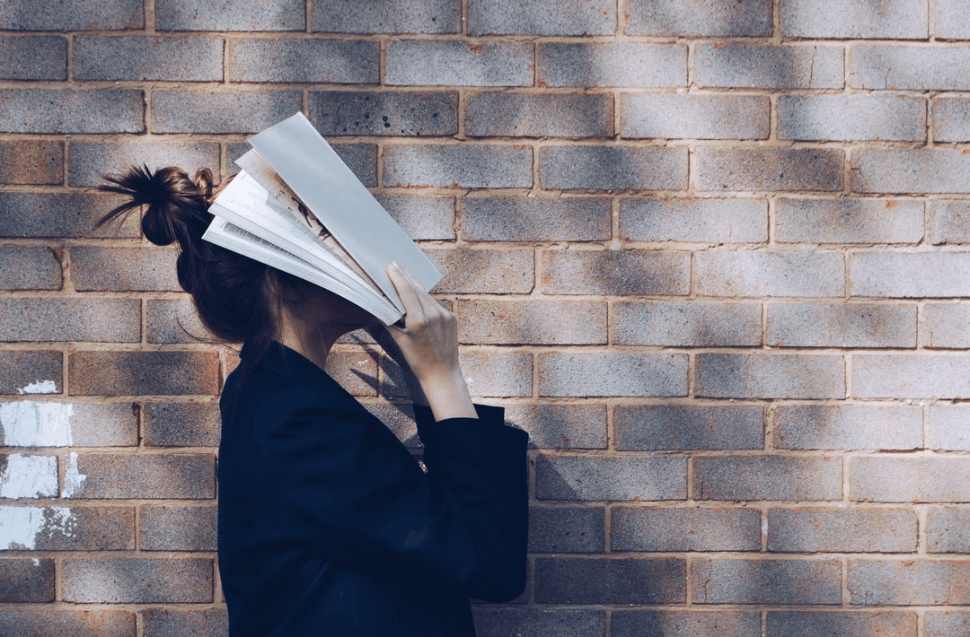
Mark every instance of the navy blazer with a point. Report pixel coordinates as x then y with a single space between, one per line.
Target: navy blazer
329 527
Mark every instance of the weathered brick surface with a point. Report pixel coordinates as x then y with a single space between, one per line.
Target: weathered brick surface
686 324
909 582
124 269
876 427
383 16
945 623
39 423
41 110
599 478
572 18
72 15
90 160
949 19
748 478
948 428
770 376
84 319
497 622
484 271
535 219
769 169
694 220
909 274
148 58
442 63
730 581
26 580
906 479
355 370
35 622
615 272
95 373
229 15
537 115
533 321
60 215
941 326
612 374
698 18
671 622
29 268
848 221
33 58
561 426
909 376
667 530
918 68
174 623
28 476
145 476
174 528
948 530
612 168
566 530
951 120
599 581
816 530
137 581
425 218
695 116
498 373
910 171
31 163
850 118
181 424
453 166
903 19
316 60
948 222
735 65
600 65
841 325
174 321
770 274
30 372
233 111
384 113
68 529
889 623
676 428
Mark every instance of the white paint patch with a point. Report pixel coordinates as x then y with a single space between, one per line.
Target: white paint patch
40 387
36 424
29 477
72 479
20 526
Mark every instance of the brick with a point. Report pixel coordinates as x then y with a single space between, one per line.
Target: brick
27 476
844 624
613 168
230 15
423 218
67 529
143 373
686 323
33 58
910 171
726 581
536 219
909 376
695 116
815 530
875 427
561 426
30 162
26 372
488 17
769 169
771 274
144 477
948 428
231 111
685 623
174 321
36 110
496 373
307 60
443 63
599 581
949 20
181 424
539 115
770 376
694 220
634 64
531 321
29 268
458 166
734 65
176 528
887 478
856 19
841 325
948 530
669 530
484 271
55 215
848 221
851 118
90 160
26 580
613 479
887 273
399 418
387 16
682 427
161 622
124 269
337 113
136 581
77 319
918 68
143 58
566 530
612 374
71 15
747 478
946 623
355 370
534 622
615 272
77 623
27 423
909 583
951 119
948 222
698 18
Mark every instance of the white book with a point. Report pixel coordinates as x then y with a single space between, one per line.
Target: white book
297 207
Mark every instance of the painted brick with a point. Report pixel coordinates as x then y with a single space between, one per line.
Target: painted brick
536 219
857 19
761 274
948 222
484 271
695 116
951 120
561 426
686 323
534 622
948 530
907 479
918 68
950 19
124 269
182 111
566 530
24 476
30 162
387 16
694 220
948 428
33 622
442 63
612 374
848 221
749 478
577 17
613 479
90 160
35 110
910 171
734 65
769 169
72 15
851 117
841 531
613 168
29 268
669 530
890 624
458 166
909 376
615 272
909 583
876 427
67 529
136 581
147 58
76 319
423 218
49 215
685 623
140 373
532 321
144 476
946 623
943 326
230 15
770 376
25 372
177 528
174 321
910 274
698 18
33 58
538 115
495 373
681 427
633 64
384 113
56 424
727 581
26 580
841 325
310 60
161 622
181 424
599 581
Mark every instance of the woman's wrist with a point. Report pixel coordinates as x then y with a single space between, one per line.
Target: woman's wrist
448 396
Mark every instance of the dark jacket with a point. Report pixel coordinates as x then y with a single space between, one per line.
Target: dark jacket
329 527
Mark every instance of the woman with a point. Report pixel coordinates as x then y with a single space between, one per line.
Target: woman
327 525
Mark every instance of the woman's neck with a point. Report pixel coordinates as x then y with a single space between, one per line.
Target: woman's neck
312 339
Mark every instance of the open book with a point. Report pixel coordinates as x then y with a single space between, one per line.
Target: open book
297 207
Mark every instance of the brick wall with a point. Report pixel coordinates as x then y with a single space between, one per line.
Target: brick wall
713 256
